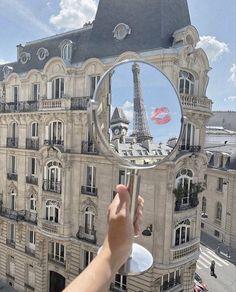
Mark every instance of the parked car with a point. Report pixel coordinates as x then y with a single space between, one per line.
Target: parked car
199 286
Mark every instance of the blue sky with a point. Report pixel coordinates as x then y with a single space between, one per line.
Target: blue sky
26 20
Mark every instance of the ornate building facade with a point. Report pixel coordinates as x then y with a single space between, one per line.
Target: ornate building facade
55 186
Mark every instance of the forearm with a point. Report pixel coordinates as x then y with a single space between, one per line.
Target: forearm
97 276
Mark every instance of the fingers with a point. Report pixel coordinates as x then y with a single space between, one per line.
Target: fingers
138 216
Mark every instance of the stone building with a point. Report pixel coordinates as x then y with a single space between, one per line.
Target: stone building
219 200
55 186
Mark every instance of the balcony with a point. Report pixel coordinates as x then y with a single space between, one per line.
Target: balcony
171 284
31 180
30 251
196 103
87 234
182 207
12 176
11 242
80 103
89 190
188 148
52 186
50 227
183 250
54 142
117 287
88 148
56 259
12 142
22 106
54 104
23 215
32 144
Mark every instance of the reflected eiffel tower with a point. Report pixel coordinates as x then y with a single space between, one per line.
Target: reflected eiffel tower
140 125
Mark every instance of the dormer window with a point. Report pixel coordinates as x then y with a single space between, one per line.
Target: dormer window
25 57
66 50
42 54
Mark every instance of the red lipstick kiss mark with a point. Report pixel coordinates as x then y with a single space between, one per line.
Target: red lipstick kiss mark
161 116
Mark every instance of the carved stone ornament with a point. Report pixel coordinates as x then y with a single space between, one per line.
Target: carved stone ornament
25 57
7 70
121 31
88 203
42 54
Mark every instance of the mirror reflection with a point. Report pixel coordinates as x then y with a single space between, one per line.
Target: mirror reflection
139 113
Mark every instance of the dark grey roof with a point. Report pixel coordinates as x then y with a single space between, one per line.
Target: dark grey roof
119 116
226 119
152 24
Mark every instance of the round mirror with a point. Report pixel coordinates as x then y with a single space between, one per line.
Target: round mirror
136 115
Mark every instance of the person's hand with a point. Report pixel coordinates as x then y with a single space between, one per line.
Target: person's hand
119 239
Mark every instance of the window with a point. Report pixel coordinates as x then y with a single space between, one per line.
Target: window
220 184
202 225
184 179
203 204
32 239
34 130
15 95
32 203
91 177
12 166
35 91
217 233
11 233
93 83
52 177
205 180
182 232
30 276
88 257
67 52
218 211
32 166
11 266
89 221
52 211
12 200
54 133
170 280
188 136
221 161
58 88
14 130
122 176
57 252
186 83
120 282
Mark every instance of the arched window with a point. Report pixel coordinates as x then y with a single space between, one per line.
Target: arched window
12 200
58 88
184 179
218 211
186 83
52 211
52 177
32 204
66 51
204 204
34 130
182 232
89 221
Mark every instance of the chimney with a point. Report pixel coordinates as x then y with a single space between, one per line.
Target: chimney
19 50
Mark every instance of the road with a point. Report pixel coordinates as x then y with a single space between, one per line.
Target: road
225 271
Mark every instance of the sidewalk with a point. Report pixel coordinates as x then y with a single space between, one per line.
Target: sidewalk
219 247
6 288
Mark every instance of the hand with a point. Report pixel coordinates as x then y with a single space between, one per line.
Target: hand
121 230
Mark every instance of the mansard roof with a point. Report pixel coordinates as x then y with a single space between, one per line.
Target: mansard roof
119 116
151 23
226 119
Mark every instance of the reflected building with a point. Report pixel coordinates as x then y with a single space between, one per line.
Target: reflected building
55 185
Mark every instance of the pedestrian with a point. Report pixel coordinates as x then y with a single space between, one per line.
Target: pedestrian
212 267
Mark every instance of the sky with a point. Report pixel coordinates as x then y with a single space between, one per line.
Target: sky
215 20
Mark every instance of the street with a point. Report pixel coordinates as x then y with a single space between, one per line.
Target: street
225 271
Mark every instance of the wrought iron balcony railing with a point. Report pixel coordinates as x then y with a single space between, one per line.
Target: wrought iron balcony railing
88 148
22 215
30 250
169 285
87 234
57 259
12 176
54 142
12 142
22 106
193 149
32 143
52 186
11 242
117 287
31 180
80 103
89 190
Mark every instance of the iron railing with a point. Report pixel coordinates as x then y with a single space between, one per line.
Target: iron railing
169 285
57 259
21 106
12 176
31 180
32 143
80 103
22 215
192 149
89 190
87 234
54 142
30 250
12 142
11 242
88 148
52 186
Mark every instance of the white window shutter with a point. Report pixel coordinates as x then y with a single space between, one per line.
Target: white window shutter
49 90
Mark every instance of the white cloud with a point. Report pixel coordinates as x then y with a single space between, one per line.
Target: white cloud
231 98
128 110
233 74
2 61
74 13
213 48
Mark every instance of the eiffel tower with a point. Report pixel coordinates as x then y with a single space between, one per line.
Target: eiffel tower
140 125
